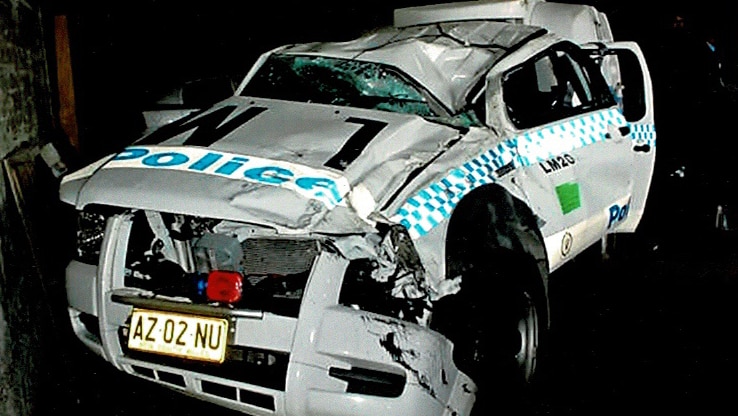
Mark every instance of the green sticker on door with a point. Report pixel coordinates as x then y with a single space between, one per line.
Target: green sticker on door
568 194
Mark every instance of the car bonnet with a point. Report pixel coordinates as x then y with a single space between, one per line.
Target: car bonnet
292 166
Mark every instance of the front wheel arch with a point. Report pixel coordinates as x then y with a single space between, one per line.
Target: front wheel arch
488 219
493 242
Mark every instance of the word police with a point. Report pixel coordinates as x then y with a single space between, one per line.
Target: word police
617 214
324 186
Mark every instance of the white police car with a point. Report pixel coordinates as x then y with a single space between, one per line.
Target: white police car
366 227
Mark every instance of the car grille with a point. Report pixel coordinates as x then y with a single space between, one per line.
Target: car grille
274 270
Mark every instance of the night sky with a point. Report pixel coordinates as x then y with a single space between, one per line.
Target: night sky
125 53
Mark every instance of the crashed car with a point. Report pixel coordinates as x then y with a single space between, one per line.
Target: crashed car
364 227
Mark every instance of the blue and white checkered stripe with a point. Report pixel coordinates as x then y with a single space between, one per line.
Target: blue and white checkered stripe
643 134
433 204
544 144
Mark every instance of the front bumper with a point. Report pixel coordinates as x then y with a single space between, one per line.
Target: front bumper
312 365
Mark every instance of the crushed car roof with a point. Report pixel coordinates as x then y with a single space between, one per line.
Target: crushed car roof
447 58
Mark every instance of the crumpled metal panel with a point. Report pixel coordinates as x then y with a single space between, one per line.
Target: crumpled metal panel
294 141
437 56
210 196
425 356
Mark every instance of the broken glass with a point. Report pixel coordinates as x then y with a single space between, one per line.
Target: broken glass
345 82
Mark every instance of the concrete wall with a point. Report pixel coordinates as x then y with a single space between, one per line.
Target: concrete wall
23 75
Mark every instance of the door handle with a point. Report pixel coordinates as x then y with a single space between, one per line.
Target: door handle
643 148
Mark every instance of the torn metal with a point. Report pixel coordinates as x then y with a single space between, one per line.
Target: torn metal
171 254
422 356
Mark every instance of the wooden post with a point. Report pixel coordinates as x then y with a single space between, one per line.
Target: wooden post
65 80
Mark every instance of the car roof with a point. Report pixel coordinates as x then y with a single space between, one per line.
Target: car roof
447 58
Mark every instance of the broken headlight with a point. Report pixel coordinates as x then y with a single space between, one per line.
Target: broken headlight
90 233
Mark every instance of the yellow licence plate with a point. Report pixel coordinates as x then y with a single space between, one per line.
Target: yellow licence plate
186 336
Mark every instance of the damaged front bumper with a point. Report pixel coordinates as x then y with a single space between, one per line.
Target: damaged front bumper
357 342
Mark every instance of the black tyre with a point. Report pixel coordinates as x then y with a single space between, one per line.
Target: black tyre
498 323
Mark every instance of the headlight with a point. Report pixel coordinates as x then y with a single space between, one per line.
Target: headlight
90 233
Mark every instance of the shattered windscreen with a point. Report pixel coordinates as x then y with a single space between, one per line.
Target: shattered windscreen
344 82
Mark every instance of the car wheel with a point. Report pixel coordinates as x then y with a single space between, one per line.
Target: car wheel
497 323
528 330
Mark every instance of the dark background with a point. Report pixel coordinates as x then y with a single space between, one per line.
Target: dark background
647 331
125 53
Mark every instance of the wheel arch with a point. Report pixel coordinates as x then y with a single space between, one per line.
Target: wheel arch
491 218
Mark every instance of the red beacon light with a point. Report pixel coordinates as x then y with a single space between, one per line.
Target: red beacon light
224 286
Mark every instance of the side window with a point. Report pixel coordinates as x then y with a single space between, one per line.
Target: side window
633 95
553 86
527 93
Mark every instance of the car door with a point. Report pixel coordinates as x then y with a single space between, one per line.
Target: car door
626 71
573 149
